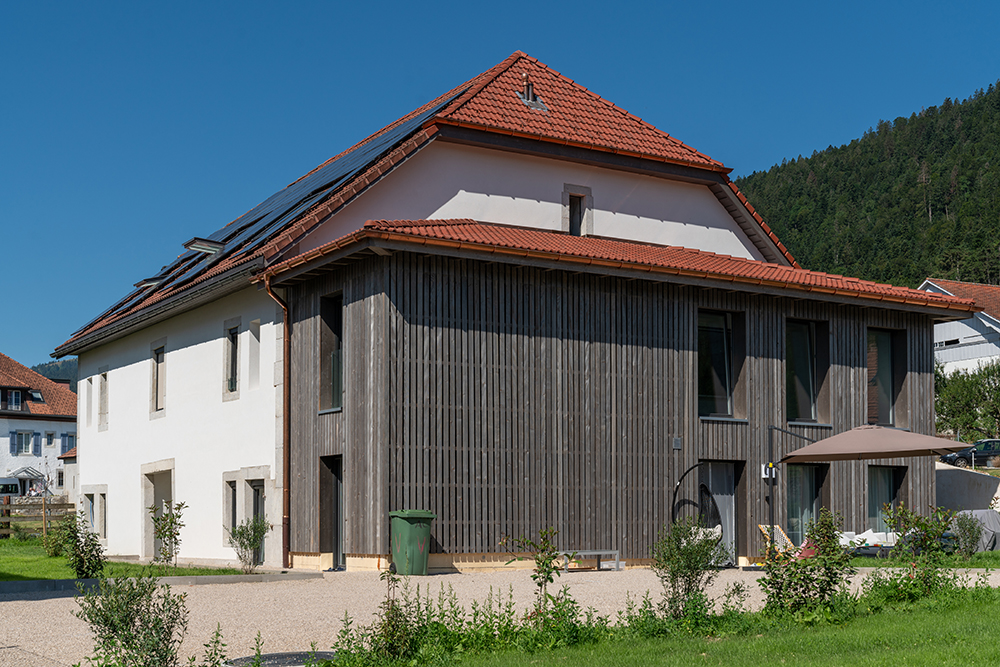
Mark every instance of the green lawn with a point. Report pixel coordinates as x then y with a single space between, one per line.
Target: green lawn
20 561
957 633
985 559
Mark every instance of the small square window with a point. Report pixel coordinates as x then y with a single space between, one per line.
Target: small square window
50 439
36 396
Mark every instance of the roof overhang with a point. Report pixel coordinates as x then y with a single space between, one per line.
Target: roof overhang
367 242
224 284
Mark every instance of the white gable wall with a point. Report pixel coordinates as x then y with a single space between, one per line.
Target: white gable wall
203 429
966 344
446 180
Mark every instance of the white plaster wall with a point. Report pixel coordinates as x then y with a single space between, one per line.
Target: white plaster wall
48 463
204 434
452 181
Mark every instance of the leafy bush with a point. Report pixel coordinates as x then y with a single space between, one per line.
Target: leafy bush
686 558
83 548
135 622
793 584
18 533
968 531
54 543
246 539
919 535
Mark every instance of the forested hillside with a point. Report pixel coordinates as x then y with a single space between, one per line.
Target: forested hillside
912 198
64 369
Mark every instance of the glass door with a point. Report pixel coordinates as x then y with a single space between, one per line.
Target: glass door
802 489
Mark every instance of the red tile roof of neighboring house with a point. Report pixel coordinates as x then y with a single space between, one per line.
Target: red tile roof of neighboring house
986 297
610 253
71 454
59 400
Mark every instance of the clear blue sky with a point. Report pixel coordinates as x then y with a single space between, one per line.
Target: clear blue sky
126 128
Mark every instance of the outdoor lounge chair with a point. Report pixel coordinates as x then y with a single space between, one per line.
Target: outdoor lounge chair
781 540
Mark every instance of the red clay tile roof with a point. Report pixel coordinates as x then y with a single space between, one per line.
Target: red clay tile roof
71 454
986 297
572 115
59 400
489 102
523 242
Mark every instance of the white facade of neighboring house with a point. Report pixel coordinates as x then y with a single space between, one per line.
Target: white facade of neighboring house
37 424
161 423
966 344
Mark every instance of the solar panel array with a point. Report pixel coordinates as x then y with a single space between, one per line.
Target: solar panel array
267 219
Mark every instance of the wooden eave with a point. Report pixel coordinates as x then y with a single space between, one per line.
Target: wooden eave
368 242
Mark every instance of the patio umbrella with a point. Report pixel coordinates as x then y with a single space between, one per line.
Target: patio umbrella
872 442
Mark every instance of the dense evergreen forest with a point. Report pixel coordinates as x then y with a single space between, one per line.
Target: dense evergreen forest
912 198
64 369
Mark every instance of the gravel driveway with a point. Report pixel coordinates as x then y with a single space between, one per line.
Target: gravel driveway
40 631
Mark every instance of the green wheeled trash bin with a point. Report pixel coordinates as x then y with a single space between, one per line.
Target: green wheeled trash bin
411 540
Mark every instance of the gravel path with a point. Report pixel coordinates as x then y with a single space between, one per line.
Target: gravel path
40 631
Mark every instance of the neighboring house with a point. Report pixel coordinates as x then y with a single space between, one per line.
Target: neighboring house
38 422
963 345
518 307
71 477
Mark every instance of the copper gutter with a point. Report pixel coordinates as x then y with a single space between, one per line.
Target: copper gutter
286 428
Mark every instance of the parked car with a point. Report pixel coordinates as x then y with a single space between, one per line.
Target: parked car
10 486
978 454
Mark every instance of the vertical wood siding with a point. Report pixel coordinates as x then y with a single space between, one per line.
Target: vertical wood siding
508 399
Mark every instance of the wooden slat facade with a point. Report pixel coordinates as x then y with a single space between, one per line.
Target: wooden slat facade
509 398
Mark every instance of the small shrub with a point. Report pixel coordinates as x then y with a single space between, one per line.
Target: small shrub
83 548
686 558
167 529
18 533
54 543
968 531
807 585
246 539
135 622
919 535
546 558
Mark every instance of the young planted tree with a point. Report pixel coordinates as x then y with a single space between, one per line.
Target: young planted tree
167 526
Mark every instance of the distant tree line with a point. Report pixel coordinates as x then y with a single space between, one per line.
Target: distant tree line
64 369
912 198
967 403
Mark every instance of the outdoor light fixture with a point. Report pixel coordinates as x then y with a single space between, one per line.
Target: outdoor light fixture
206 246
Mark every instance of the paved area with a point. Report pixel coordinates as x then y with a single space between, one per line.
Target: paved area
40 630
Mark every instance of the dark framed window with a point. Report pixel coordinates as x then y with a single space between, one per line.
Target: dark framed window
721 351
331 395
159 378
233 359
807 366
576 215
886 361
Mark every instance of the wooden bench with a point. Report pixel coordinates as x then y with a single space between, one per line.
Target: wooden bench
596 553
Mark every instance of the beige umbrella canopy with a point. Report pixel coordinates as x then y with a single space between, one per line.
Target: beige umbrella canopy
872 442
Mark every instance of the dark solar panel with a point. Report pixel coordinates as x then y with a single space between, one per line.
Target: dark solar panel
261 223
